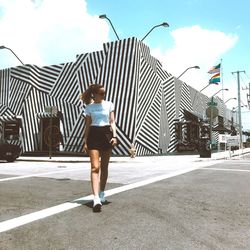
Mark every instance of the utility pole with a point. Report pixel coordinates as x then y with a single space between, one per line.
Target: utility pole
239 103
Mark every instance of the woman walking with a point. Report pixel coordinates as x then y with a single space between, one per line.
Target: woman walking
100 137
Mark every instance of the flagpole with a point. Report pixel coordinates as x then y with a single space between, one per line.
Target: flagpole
222 83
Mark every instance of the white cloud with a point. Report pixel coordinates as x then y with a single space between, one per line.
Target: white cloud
47 32
195 46
205 48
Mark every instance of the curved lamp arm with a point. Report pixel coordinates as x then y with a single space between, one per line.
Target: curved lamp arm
193 67
3 47
105 17
164 24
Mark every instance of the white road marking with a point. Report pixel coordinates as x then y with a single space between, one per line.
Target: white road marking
28 218
238 162
227 169
36 175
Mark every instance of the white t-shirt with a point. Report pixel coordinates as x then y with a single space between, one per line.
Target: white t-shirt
99 113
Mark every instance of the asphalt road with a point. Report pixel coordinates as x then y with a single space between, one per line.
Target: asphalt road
207 208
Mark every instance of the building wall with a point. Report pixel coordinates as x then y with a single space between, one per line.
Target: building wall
147 98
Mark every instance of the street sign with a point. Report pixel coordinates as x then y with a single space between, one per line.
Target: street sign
223 138
233 140
212 112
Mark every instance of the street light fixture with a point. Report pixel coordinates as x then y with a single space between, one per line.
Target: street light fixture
235 108
164 24
234 98
218 92
193 67
103 16
3 47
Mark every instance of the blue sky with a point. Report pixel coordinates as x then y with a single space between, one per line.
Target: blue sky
201 32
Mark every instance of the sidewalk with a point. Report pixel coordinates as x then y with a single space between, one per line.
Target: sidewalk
194 157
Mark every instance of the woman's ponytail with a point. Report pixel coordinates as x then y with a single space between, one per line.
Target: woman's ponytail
86 97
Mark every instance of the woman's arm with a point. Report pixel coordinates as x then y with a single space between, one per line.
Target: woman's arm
113 127
86 132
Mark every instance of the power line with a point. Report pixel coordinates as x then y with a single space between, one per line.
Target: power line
247 76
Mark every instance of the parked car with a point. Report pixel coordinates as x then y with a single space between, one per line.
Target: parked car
9 152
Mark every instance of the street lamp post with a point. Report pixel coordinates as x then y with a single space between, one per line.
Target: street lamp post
197 91
236 110
3 47
103 16
164 24
234 98
218 92
193 67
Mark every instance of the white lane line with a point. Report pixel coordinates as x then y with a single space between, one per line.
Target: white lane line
35 175
227 169
238 162
28 218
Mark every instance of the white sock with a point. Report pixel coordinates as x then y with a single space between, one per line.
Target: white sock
96 197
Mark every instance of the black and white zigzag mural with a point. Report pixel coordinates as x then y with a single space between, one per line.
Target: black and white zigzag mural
147 98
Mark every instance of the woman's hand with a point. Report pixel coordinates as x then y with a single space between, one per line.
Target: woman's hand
85 148
113 141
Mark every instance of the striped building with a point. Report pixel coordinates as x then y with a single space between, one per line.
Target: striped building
148 100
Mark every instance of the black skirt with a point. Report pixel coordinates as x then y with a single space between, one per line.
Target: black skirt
99 138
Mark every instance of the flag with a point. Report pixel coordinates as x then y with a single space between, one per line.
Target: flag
214 69
215 79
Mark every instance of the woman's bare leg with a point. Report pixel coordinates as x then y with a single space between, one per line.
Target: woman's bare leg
105 156
95 169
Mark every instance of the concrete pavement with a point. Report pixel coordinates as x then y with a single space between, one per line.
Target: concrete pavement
45 203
